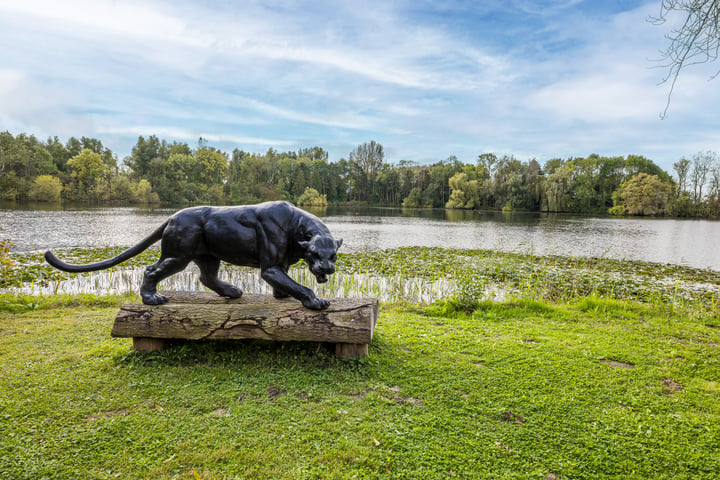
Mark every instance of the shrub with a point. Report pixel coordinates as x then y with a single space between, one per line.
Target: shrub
5 262
312 198
46 188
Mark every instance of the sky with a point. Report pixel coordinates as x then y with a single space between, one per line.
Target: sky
426 79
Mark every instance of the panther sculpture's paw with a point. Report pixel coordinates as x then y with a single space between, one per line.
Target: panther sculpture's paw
316 303
154 299
231 292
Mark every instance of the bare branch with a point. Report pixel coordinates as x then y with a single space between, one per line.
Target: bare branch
697 41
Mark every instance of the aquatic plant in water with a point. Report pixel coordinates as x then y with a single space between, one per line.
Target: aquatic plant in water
413 275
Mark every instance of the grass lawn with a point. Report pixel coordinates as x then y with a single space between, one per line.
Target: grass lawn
591 389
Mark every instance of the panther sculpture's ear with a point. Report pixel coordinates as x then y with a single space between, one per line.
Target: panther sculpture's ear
338 242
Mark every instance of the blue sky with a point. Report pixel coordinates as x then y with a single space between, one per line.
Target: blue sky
427 80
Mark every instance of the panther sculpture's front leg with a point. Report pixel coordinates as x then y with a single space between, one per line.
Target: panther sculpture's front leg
280 281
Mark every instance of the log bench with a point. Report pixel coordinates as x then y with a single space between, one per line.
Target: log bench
348 322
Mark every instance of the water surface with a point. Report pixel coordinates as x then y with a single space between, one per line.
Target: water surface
684 242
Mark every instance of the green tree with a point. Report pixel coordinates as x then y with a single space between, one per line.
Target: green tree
143 153
338 181
506 187
142 192
212 166
85 167
312 198
43 162
464 192
60 155
609 175
702 163
682 168
416 199
369 159
713 200
73 146
358 183
298 181
635 164
558 188
533 180
440 174
46 188
683 205
16 154
387 187
644 194
487 161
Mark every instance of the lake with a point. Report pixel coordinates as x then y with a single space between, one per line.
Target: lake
684 242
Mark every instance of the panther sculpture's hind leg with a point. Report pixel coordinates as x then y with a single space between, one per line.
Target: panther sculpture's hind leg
157 272
209 267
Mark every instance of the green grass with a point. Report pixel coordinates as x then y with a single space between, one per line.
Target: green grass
594 389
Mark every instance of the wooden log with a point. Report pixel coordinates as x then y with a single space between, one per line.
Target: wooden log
348 322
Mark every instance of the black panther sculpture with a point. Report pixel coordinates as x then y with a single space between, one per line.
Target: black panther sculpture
271 236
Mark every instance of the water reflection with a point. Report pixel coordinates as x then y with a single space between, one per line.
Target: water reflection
686 242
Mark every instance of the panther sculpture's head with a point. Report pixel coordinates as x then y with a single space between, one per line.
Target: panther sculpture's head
320 255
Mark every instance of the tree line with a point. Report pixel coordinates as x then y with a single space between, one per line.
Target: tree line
158 171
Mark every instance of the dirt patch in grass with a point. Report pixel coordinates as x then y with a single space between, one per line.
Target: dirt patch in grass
109 414
274 392
409 401
400 400
511 417
360 394
616 364
671 386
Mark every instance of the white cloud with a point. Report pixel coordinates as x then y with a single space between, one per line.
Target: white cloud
408 74
547 7
28 106
136 20
601 97
181 134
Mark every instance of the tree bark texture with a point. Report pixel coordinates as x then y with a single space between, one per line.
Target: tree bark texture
204 315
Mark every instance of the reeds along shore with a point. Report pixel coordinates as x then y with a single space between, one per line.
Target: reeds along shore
463 278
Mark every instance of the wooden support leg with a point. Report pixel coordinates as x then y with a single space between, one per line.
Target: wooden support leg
351 350
147 345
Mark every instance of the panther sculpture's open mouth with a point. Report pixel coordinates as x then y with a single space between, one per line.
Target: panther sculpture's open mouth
321 274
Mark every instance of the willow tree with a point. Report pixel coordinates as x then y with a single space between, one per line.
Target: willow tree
696 40
464 192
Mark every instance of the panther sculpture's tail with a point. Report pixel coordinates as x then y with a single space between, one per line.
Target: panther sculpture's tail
91 267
